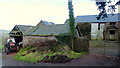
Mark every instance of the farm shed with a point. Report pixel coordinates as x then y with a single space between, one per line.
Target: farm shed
108 28
19 31
42 33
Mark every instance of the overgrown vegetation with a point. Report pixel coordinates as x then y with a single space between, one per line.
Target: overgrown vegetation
85 29
1 47
71 19
30 54
64 40
71 23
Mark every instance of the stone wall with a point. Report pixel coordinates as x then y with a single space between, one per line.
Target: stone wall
117 31
42 43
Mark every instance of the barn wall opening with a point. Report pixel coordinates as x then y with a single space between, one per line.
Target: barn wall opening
18 39
112 32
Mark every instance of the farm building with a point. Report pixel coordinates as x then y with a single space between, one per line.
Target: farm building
42 33
45 36
105 29
19 31
37 35
42 22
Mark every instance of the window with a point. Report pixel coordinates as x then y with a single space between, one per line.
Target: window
112 32
112 23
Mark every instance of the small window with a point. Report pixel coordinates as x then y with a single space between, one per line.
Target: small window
112 23
112 32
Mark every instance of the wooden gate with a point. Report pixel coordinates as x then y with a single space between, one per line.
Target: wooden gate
81 44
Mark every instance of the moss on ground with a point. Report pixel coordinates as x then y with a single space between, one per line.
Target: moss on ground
29 54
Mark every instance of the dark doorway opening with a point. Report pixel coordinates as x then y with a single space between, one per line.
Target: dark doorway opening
18 39
112 32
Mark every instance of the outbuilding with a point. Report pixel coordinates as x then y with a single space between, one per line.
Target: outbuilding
103 29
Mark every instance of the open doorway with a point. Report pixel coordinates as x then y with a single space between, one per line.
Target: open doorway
18 40
112 34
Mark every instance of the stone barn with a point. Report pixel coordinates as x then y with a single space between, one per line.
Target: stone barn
103 29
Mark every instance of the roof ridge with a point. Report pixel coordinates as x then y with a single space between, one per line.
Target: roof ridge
23 25
95 15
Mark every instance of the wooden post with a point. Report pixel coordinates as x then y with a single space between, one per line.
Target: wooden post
73 46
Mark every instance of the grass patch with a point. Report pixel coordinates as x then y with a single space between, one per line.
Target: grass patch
29 55
100 43
1 47
97 44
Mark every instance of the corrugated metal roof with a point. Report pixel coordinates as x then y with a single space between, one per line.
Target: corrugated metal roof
92 18
51 29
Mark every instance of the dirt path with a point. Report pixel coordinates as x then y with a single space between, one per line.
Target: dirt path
84 60
94 60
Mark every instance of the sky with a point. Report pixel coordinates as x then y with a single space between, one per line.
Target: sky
31 12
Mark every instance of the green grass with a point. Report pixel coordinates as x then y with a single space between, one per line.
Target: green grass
1 47
97 43
100 43
27 55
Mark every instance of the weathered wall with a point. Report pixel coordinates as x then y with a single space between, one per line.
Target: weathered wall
95 33
105 33
117 31
81 44
43 43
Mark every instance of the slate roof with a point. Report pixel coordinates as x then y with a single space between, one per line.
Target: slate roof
46 23
23 28
50 29
92 18
67 21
